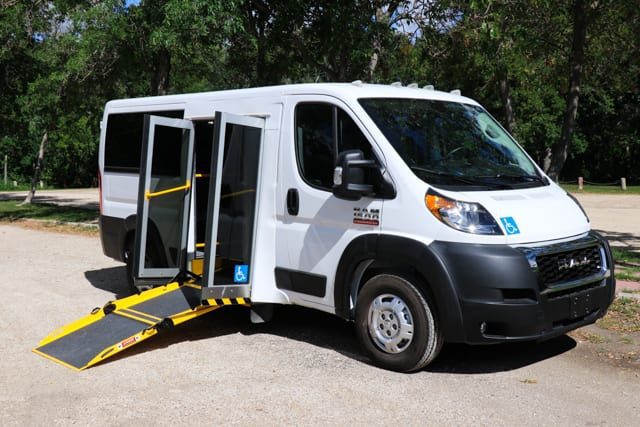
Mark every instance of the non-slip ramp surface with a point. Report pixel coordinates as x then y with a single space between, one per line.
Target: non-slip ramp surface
126 322
79 348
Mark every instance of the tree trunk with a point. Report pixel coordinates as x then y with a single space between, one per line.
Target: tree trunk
556 156
373 62
36 172
261 60
377 46
505 95
161 72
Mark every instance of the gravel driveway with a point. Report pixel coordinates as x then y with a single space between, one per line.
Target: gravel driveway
303 368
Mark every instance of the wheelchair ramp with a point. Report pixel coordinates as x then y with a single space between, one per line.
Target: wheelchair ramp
126 322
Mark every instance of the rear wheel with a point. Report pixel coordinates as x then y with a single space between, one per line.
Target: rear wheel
128 259
396 324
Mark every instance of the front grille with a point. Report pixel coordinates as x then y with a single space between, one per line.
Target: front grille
571 265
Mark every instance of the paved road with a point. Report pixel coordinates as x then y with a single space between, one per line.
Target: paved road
78 197
302 368
617 216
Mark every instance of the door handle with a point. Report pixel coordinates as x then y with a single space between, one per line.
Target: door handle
293 201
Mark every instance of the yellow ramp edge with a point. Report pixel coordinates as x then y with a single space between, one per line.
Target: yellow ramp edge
126 322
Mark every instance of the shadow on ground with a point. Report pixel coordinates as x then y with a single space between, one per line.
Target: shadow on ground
111 279
60 201
327 331
624 240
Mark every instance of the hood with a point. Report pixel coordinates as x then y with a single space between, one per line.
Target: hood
534 214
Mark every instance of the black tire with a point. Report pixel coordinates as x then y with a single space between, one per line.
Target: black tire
396 324
128 259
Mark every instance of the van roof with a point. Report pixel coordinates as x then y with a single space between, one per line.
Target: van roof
340 90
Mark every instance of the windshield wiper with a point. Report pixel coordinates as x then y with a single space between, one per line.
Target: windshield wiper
472 180
526 178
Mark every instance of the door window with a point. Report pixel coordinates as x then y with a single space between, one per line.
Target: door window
323 131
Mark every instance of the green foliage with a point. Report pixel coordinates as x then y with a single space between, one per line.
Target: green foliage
606 189
61 60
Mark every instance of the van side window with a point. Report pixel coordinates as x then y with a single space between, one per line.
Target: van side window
323 131
123 140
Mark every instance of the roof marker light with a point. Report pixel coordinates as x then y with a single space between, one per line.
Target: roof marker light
428 87
396 84
357 83
413 86
456 92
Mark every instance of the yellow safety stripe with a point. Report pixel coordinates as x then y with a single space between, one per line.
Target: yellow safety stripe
45 355
228 301
141 317
136 318
148 195
142 313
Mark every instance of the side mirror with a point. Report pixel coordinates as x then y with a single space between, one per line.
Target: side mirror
349 176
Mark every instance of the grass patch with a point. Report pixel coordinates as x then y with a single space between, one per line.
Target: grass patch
11 210
623 316
630 274
608 189
624 256
627 264
60 227
19 187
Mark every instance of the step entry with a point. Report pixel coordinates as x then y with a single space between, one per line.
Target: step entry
123 323
222 277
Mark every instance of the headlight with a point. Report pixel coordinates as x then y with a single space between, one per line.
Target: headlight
464 216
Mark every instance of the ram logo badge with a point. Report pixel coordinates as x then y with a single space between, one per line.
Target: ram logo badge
569 263
366 216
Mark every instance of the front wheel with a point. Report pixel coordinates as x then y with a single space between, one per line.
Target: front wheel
396 324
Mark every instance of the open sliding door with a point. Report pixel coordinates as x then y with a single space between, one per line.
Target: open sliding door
231 214
164 199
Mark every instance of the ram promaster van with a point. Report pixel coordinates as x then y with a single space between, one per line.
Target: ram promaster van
409 211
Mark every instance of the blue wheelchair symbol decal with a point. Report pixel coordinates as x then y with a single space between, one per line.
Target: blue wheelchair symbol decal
510 225
241 273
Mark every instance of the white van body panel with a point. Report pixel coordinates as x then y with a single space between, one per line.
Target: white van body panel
263 285
314 240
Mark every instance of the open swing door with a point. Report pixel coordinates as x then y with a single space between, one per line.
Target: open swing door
163 200
165 189
231 214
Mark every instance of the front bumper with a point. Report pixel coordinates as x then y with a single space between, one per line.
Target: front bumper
529 293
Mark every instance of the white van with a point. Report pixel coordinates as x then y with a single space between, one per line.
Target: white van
408 211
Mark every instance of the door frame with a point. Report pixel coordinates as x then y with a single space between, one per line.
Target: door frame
142 273
209 290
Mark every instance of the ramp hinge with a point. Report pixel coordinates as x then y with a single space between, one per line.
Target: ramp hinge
108 308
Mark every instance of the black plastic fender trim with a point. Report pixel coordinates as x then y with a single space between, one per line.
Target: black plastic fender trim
392 252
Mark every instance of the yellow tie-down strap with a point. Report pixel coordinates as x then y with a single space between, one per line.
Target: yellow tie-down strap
148 195
124 323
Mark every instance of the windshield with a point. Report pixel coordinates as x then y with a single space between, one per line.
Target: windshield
452 144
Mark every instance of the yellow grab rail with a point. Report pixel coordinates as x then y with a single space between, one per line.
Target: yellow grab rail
148 195
237 193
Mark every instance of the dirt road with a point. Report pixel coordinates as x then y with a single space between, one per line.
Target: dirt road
303 368
78 197
617 216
